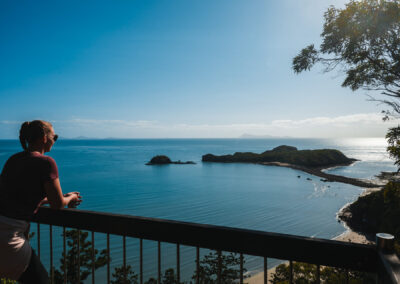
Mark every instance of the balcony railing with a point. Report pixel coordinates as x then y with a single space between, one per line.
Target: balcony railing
350 256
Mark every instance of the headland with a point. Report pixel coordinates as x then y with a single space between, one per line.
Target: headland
309 161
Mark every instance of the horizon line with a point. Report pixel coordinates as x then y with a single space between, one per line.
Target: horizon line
242 138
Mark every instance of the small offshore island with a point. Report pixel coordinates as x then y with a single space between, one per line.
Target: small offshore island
309 161
165 160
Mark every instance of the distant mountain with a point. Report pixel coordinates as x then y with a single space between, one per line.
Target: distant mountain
80 138
252 136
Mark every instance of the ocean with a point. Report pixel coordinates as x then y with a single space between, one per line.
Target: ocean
112 177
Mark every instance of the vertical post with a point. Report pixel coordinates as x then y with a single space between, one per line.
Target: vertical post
265 270
318 274
241 268
178 264
108 259
65 255
197 265
51 254
291 272
93 259
141 261
389 263
159 262
79 257
219 276
124 254
385 242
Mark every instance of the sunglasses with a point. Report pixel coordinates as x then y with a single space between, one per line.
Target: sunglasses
55 137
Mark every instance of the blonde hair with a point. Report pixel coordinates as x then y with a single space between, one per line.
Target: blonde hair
31 131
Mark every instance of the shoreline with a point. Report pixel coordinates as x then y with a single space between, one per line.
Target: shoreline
329 177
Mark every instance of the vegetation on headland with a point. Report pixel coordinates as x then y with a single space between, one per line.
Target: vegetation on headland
376 212
315 159
165 160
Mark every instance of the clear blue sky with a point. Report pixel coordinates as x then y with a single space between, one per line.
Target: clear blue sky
172 68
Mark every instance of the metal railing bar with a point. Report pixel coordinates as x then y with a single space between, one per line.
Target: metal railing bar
141 261
349 256
178 264
325 252
159 262
65 255
93 259
51 254
389 267
124 256
108 259
38 239
197 265
79 257
318 274
219 276
265 270
291 272
241 268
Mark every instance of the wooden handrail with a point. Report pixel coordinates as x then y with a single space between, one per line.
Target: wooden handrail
281 246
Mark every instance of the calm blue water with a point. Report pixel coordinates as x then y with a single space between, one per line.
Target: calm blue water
112 177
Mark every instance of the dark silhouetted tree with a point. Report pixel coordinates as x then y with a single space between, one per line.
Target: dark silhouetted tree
124 275
85 257
209 268
362 40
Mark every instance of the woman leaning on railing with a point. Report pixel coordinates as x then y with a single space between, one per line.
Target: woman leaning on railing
28 180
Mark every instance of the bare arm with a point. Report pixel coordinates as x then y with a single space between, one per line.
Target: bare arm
55 196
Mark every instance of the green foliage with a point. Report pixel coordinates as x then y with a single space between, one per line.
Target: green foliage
208 272
230 272
377 212
85 258
169 277
124 275
363 40
287 154
304 273
7 281
393 138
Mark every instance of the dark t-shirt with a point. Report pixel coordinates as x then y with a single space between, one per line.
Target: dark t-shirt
22 183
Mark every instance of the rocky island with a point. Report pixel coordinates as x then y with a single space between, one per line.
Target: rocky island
309 161
165 160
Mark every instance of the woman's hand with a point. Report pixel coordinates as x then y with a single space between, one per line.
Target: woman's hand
57 199
74 197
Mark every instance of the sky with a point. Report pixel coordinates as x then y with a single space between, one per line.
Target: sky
173 69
